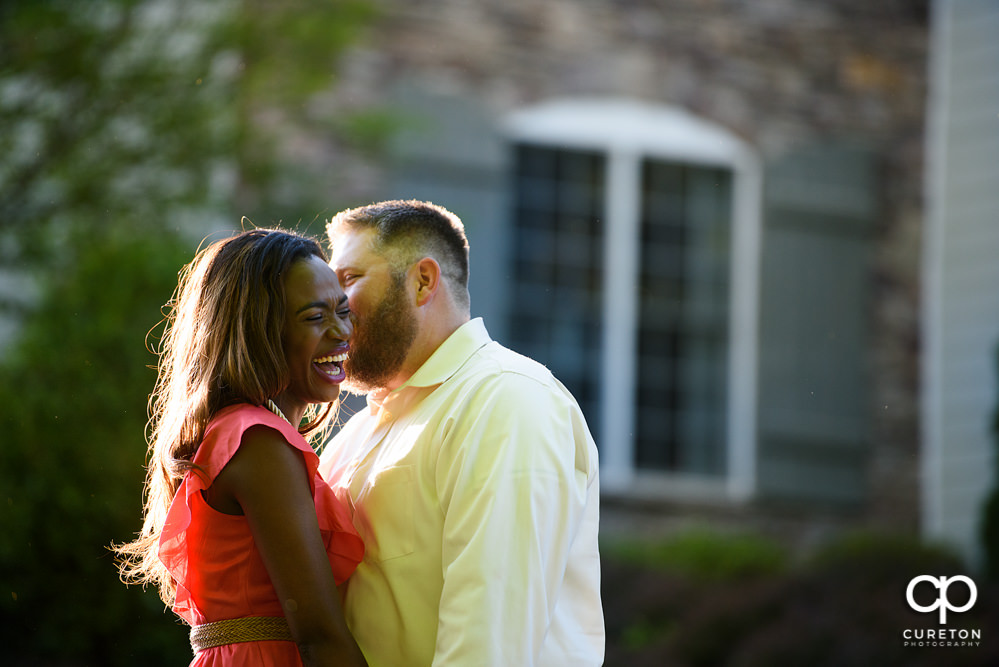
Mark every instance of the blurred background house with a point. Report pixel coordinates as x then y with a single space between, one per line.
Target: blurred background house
756 240
705 217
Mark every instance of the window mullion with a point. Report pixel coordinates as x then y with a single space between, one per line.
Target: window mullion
620 317
743 327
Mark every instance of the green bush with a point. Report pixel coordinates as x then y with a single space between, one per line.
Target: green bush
843 605
651 587
73 393
988 528
704 554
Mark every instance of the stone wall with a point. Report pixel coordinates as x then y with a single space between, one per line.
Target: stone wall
780 74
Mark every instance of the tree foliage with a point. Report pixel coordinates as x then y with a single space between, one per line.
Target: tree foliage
129 129
74 395
159 113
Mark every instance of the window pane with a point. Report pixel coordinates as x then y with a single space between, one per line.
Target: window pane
683 318
556 310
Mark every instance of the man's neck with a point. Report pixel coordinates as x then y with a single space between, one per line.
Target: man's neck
432 336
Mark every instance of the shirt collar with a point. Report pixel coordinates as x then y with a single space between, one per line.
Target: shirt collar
444 362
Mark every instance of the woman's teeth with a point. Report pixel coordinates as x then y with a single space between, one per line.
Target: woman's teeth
334 359
337 358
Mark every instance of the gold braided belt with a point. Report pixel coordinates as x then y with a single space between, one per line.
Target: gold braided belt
236 630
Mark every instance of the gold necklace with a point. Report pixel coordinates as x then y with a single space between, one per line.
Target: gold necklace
272 406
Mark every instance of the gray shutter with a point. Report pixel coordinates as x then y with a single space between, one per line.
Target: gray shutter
449 151
814 375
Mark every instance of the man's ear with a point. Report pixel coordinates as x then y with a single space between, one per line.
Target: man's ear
428 280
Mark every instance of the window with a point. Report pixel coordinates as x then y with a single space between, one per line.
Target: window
683 317
635 236
556 315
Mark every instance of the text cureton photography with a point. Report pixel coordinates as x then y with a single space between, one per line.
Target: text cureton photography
941 637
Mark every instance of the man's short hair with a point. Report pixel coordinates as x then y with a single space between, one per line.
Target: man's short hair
408 230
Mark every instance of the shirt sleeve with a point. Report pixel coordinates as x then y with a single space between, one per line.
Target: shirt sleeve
513 472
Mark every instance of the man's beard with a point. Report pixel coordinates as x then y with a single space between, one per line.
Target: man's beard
381 342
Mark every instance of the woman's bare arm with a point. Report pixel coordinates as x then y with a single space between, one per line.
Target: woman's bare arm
267 478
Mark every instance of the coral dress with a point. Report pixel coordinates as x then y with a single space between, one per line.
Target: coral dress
212 557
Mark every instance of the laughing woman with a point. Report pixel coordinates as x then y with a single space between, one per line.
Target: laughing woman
240 533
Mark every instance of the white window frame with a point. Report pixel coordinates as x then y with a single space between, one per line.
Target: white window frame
628 131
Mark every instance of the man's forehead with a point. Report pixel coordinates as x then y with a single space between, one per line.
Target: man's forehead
349 246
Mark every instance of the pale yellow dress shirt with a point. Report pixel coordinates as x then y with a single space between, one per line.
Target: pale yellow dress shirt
475 489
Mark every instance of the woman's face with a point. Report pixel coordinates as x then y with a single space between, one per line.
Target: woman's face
316 329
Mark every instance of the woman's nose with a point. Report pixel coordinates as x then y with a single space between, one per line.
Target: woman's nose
341 329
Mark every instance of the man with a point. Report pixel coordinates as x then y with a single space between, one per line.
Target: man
472 475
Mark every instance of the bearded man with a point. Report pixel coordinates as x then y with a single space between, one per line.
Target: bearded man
471 474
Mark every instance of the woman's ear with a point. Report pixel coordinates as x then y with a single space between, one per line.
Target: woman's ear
428 277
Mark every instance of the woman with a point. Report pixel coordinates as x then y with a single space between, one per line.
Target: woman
240 534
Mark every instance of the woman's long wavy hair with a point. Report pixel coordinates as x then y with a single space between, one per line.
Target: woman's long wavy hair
222 345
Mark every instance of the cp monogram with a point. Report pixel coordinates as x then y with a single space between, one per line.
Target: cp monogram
942 603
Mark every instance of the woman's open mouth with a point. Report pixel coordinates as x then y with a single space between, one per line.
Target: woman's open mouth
331 365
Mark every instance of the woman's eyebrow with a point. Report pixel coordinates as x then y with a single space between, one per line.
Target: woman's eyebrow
314 304
342 300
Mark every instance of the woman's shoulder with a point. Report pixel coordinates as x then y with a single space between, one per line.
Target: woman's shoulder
239 414
225 431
